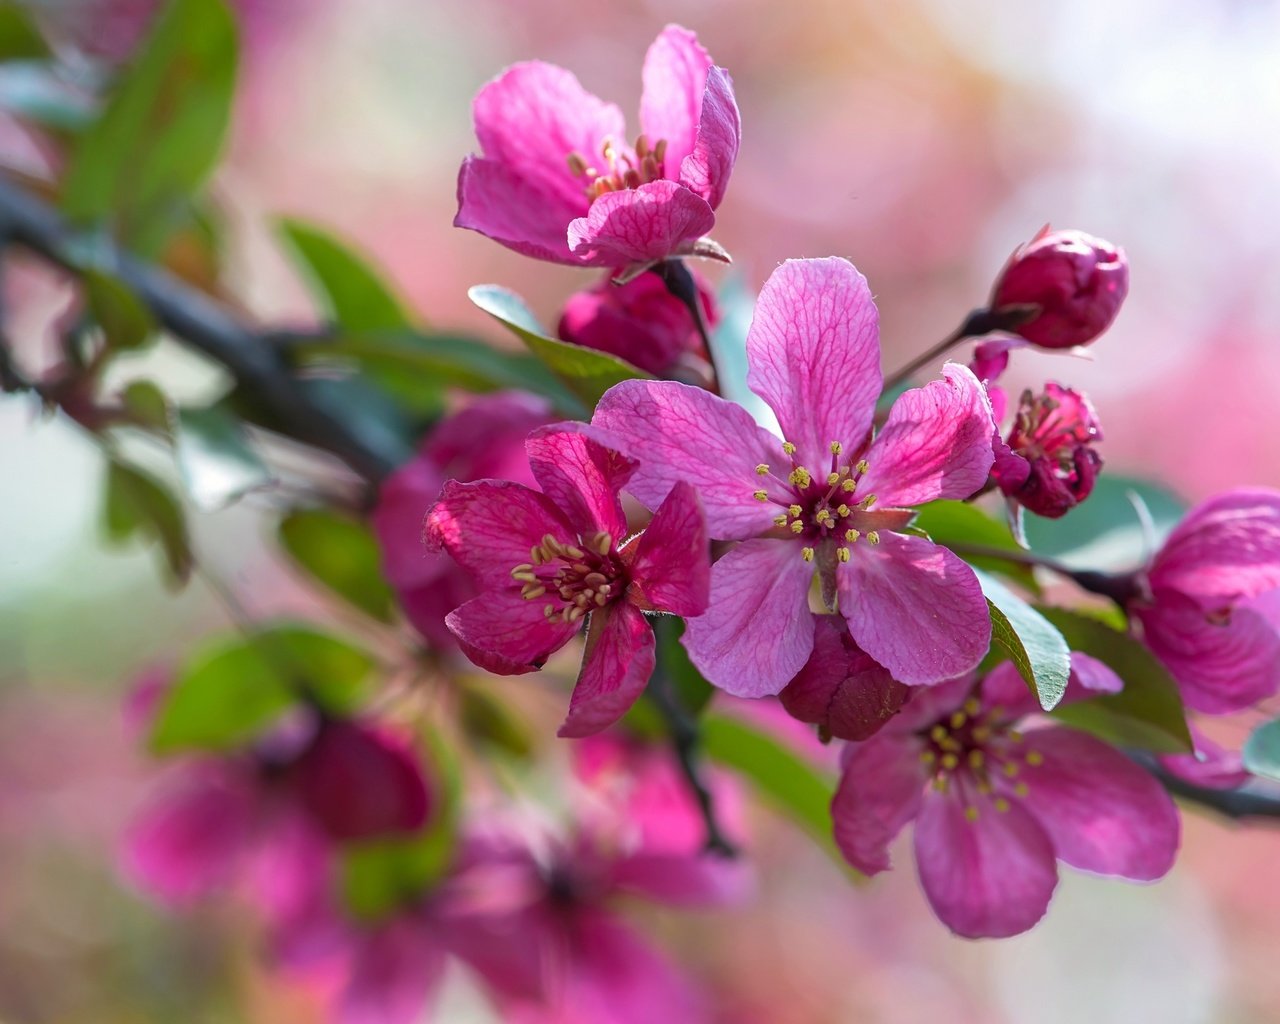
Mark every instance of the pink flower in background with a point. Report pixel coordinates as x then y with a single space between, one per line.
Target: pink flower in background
1207 604
548 560
995 808
1210 764
483 439
640 321
1047 463
803 504
1078 283
558 180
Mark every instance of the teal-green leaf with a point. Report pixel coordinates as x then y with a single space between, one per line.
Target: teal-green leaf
1262 750
340 552
125 322
147 403
19 37
588 373
958 522
215 458
1148 713
161 131
1033 643
136 503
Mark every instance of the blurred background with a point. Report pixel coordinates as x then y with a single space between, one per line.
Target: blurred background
922 139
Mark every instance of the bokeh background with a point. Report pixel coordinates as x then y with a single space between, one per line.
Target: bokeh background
923 139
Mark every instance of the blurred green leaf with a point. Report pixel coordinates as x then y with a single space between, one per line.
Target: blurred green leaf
1034 645
340 551
19 37
728 353
148 403
487 720
215 459
354 296
693 691
1148 713
160 134
587 372
136 503
1105 532
126 323
233 689
1262 750
957 522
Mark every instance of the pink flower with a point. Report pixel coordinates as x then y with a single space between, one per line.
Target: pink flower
483 439
548 560
639 321
1210 764
994 808
1206 604
558 181
802 505
1078 283
1047 463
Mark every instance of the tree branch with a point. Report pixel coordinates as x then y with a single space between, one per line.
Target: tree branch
1248 803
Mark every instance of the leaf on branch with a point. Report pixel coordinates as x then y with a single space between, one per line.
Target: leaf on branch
19 37
1035 646
136 503
1147 713
341 553
729 349
487 720
1262 751
958 522
217 463
691 689
126 323
147 404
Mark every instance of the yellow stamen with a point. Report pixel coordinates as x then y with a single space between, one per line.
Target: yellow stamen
1010 769
972 706
797 527
849 486
842 554
1002 805
788 447
976 758
794 510
761 496
941 783
807 554
800 477
530 592
862 466
852 536
958 719
522 567
1034 758
971 813
602 542
873 536
833 479
836 447
950 762
780 520
1021 789
843 511
938 732
762 469
577 165
1016 736
927 757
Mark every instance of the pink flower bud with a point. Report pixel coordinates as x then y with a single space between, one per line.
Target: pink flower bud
1077 281
639 321
1050 465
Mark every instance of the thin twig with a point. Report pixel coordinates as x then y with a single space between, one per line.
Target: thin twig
976 324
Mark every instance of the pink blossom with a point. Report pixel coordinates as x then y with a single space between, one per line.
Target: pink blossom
548 560
1210 764
995 807
483 439
558 181
1048 464
1207 606
801 505
640 321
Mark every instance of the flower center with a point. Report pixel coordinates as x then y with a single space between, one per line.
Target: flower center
979 755
619 168
826 507
575 579
1053 426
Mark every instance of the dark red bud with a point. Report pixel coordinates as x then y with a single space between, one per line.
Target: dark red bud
1051 465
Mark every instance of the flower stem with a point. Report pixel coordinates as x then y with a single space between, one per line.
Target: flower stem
978 323
680 283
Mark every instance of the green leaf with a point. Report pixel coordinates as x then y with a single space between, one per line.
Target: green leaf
19 37
1262 750
488 721
137 504
957 522
354 295
1148 713
160 134
340 551
126 323
232 690
1034 645
692 690
1105 532
588 373
148 404
729 348
215 459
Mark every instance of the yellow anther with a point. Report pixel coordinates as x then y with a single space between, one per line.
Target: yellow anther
824 517
833 479
1034 758
972 706
976 758
602 542
762 469
849 486
574 553
950 762
807 554
536 555
524 577
842 554
843 511
761 496
971 813
836 447
574 614
1021 789
800 477
797 527
981 733
927 757
1010 769
531 592
873 536
1002 805
577 165
788 447
941 782
522 567
794 510
605 588
958 719
852 536
862 466
1015 735
642 146
868 501
549 611
984 787
780 520
602 599
938 732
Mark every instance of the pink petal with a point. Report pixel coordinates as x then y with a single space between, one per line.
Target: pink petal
935 444
497 201
507 635
489 526
427 606
675 79
915 607
1005 688
1219 667
533 115
672 567
928 704
814 355
706 170
640 225
1103 812
581 476
1227 547
988 878
393 975
403 500
880 791
1211 765
616 666
758 631
485 438
685 433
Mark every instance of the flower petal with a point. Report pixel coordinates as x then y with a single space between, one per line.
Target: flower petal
758 631
936 443
672 567
1226 548
507 635
880 791
1103 812
988 878
915 607
680 432
496 201
581 476
705 171
616 666
1211 764
814 355
393 974
489 526
675 79
1005 688
640 225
